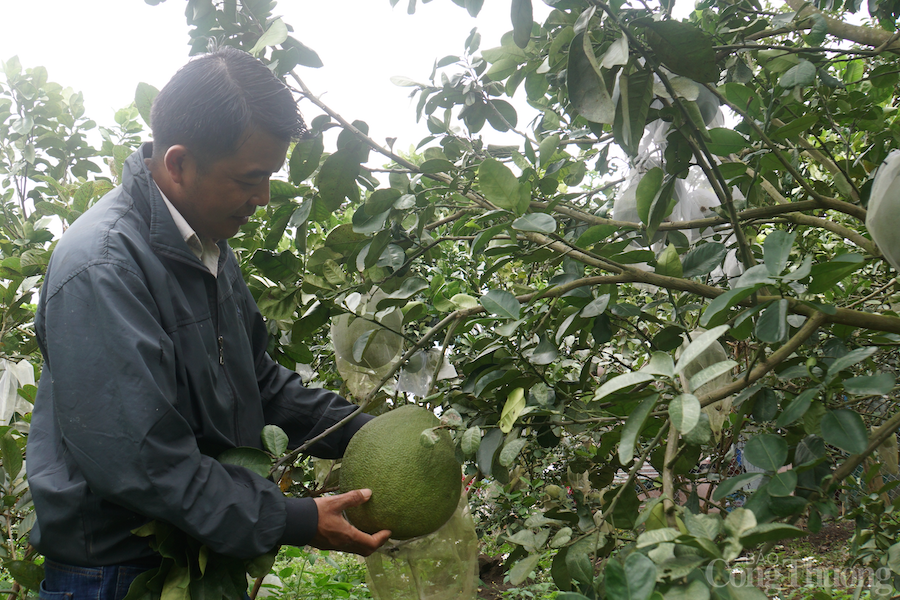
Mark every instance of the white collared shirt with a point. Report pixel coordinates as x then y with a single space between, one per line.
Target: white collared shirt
206 250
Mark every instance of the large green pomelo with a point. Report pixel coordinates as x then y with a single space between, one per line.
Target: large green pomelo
415 489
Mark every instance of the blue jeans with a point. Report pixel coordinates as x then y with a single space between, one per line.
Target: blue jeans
68 582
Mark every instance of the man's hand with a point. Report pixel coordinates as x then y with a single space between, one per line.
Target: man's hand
336 533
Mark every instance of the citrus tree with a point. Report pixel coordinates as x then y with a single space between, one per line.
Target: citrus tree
671 268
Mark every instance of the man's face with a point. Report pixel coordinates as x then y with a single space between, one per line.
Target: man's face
220 198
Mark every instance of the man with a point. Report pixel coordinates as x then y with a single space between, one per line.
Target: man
155 352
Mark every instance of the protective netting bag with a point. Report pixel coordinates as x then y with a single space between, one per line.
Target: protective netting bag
439 566
714 354
367 343
418 374
884 199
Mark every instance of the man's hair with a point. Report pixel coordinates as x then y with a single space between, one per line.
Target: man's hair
212 101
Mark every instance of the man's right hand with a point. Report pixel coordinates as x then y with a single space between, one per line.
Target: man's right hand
336 533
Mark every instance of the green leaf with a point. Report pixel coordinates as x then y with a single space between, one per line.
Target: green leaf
782 484
660 207
523 569
276 34
429 437
717 311
660 363
26 573
733 484
411 286
744 97
819 30
633 427
11 454
501 303
595 234
261 565
537 222
702 260
545 352
724 142
511 450
770 532
515 404
772 326
635 580
706 375
336 182
143 100
304 55
635 97
250 458
647 191
484 456
767 451
777 250
739 521
522 19
274 439
871 385
755 275
595 307
471 440
698 346
668 263
366 223
547 149
795 128
587 89
501 188
684 410
652 537
801 74
305 158
176 586
845 429
684 49
853 357
826 275
436 165
620 382
797 407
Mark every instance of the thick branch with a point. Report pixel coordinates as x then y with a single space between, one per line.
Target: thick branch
867 36
776 358
751 214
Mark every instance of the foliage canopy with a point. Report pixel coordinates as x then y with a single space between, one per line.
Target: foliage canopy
671 266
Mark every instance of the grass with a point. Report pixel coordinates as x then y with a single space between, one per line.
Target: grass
309 574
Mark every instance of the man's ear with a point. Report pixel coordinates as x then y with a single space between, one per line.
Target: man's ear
179 163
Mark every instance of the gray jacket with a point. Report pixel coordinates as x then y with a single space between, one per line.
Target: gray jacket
152 367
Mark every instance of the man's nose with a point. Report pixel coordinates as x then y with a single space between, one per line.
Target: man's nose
261 194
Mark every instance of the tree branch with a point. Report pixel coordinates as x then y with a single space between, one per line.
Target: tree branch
776 358
867 36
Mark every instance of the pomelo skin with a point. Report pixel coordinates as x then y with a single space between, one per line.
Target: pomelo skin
415 489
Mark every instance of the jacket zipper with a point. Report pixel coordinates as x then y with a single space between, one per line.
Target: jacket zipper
220 343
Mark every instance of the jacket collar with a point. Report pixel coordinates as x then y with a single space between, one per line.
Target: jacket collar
165 238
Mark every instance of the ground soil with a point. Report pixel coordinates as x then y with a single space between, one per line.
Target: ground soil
490 570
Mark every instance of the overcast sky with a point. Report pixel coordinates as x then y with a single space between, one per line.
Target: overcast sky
105 47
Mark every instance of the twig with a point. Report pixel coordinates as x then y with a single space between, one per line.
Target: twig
873 294
776 358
